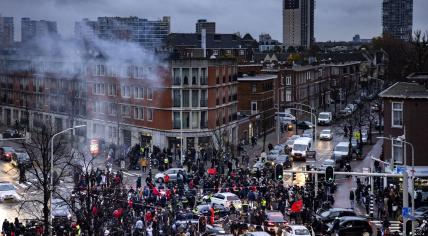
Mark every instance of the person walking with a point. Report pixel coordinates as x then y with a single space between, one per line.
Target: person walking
143 164
352 198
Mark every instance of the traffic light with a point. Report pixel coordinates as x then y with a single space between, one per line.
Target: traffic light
202 224
293 176
329 175
279 170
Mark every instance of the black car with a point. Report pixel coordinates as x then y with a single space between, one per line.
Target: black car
220 211
304 125
11 133
352 226
324 217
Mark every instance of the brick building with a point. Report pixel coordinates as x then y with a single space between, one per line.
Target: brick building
122 103
256 105
405 112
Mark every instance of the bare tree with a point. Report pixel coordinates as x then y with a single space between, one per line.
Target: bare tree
39 151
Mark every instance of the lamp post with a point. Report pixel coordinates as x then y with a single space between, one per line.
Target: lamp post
51 170
412 189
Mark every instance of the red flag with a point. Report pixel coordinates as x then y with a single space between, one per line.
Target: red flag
155 192
297 206
212 171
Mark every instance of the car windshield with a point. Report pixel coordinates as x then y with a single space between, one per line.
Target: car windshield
289 142
232 198
184 216
276 217
325 132
6 187
281 158
301 232
341 149
328 162
8 149
299 147
323 116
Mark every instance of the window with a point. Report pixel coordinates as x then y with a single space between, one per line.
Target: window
195 76
215 52
241 52
100 70
397 151
111 89
185 98
138 93
149 93
112 109
186 119
253 108
176 120
288 80
195 120
177 76
204 79
149 114
139 113
126 91
254 88
195 98
185 72
397 114
126 111
98 89
99 107
288 96
176 98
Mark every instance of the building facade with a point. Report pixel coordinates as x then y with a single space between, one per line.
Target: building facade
405 112
204 24
123 104
256 105
31 29
397 18
7 31
147 33
298 23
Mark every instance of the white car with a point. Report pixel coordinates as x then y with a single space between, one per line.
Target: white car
330 162
294 230
286 117
364 136
326 134
172 173
226 199
8 192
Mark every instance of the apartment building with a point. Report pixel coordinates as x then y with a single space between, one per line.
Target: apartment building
124 104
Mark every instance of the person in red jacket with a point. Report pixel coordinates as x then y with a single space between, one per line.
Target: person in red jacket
212 215
166 179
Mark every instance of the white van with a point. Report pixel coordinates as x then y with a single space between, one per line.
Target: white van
325 118
341 151
300 146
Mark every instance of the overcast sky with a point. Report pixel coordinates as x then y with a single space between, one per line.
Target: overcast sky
334 19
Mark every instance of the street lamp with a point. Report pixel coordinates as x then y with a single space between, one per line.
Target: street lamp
401 139
51 170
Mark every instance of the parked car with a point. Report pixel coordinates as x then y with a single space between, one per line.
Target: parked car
215 229
324 218
11 133
283 160
21 158
61 210
257 233
273 220
309 133
172 173
325 118
204 209
8 192
296 230
6 153
326 134
352 226
330 162
260 165
304 125
226 199
352 107
285 117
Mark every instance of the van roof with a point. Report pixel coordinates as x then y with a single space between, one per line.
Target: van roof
303 140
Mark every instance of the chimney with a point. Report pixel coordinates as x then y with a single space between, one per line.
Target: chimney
204 41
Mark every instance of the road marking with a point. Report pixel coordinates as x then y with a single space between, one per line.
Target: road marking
129 174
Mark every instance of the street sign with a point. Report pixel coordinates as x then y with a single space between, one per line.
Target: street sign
400 169
406 212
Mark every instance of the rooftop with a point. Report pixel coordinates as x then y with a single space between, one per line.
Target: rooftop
405 90
260 77
418 76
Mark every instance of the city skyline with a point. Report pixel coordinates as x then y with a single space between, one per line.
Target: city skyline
363 17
